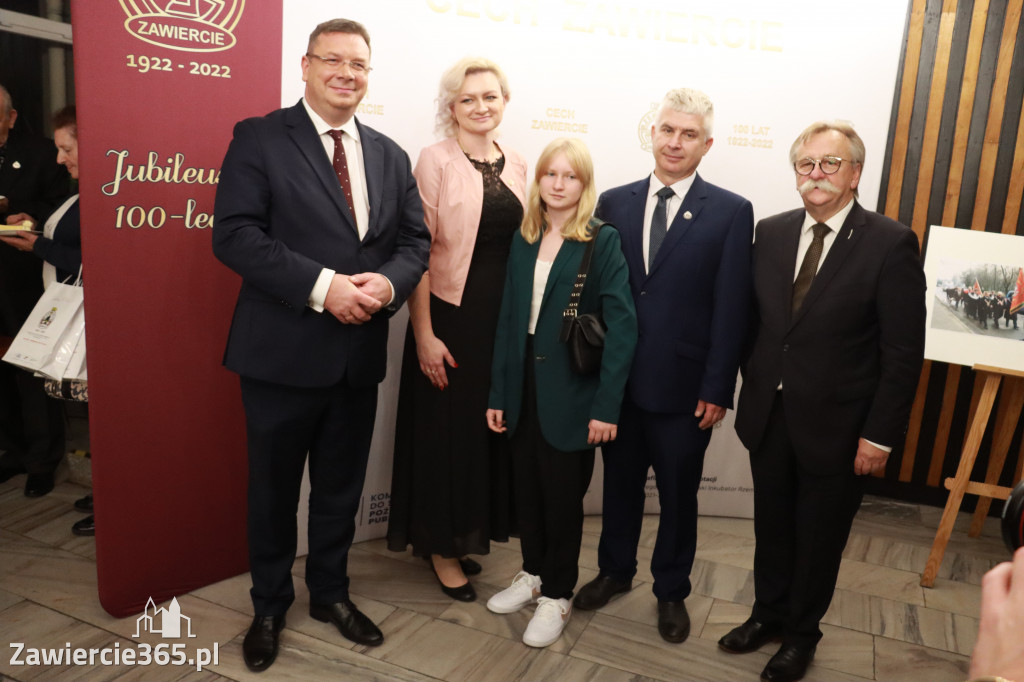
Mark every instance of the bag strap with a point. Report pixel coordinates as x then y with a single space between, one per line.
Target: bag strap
595 226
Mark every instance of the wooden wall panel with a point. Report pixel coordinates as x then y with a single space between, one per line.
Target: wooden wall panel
955 157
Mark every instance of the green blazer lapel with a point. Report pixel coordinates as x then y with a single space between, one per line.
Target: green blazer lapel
568 252
524 265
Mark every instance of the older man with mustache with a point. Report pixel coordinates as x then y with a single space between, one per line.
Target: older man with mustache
828 381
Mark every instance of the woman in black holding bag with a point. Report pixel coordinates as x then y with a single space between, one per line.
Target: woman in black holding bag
60 247
555 416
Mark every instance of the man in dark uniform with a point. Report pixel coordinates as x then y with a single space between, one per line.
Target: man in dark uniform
31 424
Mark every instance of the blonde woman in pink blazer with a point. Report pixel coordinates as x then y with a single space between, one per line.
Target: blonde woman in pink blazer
450 490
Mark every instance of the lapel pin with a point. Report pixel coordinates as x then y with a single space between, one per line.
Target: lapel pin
687 215
849 234
16 165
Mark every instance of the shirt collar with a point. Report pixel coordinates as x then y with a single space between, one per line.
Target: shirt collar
680 188
835 223
350 127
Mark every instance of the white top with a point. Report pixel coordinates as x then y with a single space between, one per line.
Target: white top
49 271
541 271
672 205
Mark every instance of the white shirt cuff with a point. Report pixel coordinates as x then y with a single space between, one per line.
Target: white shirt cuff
886 448
320 289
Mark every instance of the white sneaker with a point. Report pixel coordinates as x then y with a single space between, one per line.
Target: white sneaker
525 589
548 621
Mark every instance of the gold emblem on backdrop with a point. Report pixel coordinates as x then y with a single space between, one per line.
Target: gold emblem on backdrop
188 25
643 130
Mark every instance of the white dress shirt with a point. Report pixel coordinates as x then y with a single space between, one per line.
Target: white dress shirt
672 205
360 197
835 223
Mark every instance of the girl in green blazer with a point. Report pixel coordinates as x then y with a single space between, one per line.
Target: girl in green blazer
553 416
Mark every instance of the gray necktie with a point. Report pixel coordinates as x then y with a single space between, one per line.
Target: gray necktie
659 224
810 265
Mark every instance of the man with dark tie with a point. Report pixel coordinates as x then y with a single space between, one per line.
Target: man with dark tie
834 359
687 243
321 217
31 424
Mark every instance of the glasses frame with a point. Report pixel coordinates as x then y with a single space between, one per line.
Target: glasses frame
341 64
817 163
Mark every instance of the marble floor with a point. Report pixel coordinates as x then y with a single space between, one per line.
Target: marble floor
882 624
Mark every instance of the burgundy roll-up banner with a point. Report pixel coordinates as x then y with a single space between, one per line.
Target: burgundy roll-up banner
160 84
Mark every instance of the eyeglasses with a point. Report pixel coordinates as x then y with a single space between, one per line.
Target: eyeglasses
335 64
829 165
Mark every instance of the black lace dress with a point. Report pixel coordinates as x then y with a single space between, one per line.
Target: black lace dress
451 485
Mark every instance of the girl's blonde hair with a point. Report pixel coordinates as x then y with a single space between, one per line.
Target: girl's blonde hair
574 229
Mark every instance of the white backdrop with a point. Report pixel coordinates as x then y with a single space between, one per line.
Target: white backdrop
597 70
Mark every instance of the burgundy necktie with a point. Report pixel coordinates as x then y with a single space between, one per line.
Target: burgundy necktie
341 169
809 267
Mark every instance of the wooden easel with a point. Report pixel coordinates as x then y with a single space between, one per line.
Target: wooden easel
961 484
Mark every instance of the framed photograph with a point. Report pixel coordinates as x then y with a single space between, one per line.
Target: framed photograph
975 298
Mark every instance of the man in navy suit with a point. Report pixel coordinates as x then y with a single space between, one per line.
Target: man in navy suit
834 361
687 243
321 217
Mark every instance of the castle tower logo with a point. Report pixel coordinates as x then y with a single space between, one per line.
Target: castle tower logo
170 620
643 130
188 25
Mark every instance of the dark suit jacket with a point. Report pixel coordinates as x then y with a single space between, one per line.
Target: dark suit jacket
280 217
692 307
850 360
36 184
566 402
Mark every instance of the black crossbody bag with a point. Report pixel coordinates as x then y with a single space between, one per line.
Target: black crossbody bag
583 334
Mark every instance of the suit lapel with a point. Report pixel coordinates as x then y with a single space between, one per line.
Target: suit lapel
303 134
632 231
373 166
567 253
527 267
686 217
789 242
847 239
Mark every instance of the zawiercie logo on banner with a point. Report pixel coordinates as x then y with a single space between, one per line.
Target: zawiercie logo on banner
643 129
189 25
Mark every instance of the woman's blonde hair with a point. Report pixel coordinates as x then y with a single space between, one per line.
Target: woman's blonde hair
452 81
574 229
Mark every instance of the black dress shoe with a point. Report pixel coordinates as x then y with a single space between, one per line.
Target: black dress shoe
350 621
84 504
469 566
259 649
37 485
460 593
86 527
673 621
750 636
598 592
788 664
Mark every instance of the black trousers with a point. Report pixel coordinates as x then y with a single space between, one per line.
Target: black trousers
801 525
674 445
31 423
334 426
549 485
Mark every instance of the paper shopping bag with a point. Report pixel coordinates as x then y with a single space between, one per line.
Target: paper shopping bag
40 338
